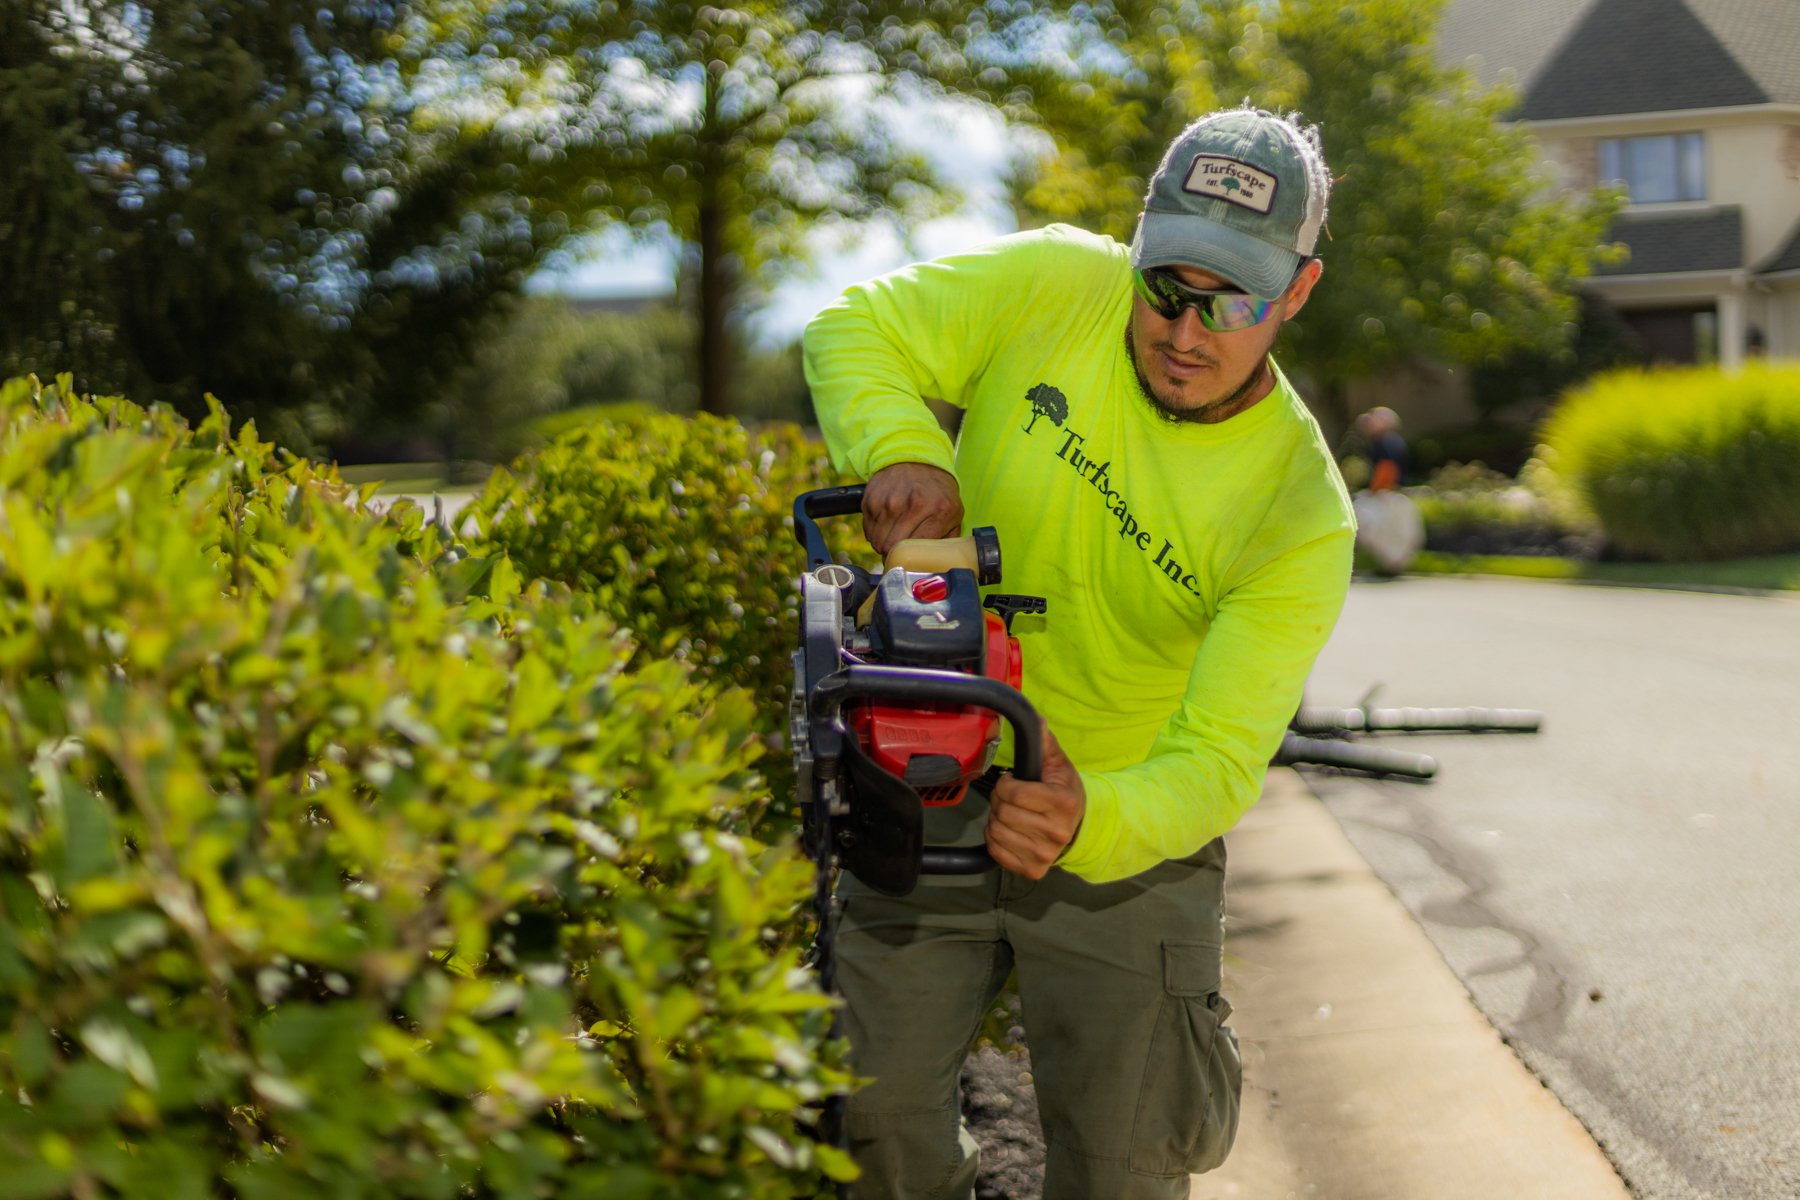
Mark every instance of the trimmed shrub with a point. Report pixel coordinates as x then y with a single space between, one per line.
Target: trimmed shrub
547 429
333 862
681 530
1687 463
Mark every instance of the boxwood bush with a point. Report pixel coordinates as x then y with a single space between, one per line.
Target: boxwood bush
1686 463
681 530
334 862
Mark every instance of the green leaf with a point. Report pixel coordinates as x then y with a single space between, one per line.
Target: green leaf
32 1052
461 578
120 1049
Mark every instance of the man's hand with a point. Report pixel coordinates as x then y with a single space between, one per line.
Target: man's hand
910 500
1029 824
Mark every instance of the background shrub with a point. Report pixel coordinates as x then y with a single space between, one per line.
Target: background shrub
1687 463
335 863
681 530
1469 508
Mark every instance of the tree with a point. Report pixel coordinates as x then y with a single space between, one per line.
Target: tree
239 196
1134 74
1442 240
1047 401
738 130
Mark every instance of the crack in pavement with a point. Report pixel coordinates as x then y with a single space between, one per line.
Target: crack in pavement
1539 1031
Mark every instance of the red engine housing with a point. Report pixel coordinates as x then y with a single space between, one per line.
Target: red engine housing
940 749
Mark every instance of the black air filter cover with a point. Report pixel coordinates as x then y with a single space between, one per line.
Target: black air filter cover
946 633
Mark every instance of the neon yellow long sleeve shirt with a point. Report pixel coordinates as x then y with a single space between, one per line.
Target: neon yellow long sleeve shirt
1193 572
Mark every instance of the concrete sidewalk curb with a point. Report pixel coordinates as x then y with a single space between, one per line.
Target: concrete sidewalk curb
1368 1072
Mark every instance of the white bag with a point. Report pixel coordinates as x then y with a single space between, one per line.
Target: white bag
1389 529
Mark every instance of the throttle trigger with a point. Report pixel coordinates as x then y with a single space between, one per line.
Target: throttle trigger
1009 606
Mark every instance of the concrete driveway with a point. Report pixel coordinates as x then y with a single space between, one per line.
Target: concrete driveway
1619 893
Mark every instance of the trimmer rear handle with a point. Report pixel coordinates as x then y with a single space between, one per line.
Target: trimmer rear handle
824 502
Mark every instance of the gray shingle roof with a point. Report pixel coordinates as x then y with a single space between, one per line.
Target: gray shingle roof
1763 35
1628 56
1516 37
1675 242
1785 259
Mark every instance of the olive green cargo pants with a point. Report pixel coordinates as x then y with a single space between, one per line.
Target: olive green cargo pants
1137 1077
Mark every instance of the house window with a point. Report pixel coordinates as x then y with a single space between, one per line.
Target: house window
1656 170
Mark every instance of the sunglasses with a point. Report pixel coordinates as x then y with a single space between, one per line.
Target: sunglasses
1223 310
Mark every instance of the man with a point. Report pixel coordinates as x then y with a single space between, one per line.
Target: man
1153 475
1389 529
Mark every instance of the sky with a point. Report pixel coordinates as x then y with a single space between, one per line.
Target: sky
971 147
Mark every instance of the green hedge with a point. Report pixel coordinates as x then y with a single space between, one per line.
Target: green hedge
681 530
333 862
1687 463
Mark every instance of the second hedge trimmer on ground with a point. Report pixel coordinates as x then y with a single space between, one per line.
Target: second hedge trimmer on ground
1324 736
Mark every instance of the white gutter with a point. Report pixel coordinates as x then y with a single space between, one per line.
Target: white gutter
1727 278
1737 114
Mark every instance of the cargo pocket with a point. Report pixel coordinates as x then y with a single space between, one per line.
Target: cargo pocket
1187 1110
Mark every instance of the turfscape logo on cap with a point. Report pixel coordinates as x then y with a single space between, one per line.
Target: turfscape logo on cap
1228 179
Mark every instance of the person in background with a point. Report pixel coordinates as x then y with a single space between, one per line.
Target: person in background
1154 476
1380 428
1373 453
1389 530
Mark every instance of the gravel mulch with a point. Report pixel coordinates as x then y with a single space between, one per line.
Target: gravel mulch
1002 1110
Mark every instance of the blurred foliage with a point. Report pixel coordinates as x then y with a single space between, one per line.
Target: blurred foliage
1442 241
545 357
317 211
681 530
548 367
1504 446
737 130
1686 463
244 197
1126 77
336 862
1472 508
1525 384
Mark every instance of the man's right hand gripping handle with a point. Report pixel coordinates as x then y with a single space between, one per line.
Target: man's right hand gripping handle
908 500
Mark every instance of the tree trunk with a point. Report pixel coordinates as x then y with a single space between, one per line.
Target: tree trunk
714 304
1334 416
715 284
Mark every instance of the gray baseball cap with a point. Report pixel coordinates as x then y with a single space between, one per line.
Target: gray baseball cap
1242 194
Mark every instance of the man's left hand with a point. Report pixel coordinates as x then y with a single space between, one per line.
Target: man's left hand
1030 824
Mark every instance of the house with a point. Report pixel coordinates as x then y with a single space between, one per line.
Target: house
1694 107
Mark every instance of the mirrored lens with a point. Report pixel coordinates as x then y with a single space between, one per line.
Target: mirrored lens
1235 312
1222 311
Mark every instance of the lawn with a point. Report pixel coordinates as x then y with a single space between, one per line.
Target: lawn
1774 573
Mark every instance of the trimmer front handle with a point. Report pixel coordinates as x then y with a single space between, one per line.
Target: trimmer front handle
917 686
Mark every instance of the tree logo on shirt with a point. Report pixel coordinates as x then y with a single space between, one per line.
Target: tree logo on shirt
1047 401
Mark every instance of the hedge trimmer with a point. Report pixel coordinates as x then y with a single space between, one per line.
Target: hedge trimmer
900 680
